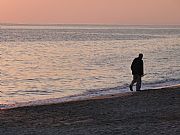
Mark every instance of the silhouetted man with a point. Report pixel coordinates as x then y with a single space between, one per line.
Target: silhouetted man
137 71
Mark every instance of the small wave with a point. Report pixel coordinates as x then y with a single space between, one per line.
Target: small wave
7 106
161 83
78 97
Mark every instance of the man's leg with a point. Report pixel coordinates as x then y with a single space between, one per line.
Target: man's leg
138 85
133 81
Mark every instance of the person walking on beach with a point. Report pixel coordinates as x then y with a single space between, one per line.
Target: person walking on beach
137 72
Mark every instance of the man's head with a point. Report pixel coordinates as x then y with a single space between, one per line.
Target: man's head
140 55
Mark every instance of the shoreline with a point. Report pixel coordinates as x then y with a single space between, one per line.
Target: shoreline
76 98
147 112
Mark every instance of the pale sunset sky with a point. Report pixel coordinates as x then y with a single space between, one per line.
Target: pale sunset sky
123 12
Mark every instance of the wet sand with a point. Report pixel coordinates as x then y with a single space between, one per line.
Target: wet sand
149 112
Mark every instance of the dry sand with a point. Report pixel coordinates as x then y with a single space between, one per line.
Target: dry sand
149 112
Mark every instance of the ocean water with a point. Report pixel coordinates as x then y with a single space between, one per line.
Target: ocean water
57 63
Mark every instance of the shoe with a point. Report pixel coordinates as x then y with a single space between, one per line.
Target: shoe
138 90
130 87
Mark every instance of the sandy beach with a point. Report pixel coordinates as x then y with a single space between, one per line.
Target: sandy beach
149 112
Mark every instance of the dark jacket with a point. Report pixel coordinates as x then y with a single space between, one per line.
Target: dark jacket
137 66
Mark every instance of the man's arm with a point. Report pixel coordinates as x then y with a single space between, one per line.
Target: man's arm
142 68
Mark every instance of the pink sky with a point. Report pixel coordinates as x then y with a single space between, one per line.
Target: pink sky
90 11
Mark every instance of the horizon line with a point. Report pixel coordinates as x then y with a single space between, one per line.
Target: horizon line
92 24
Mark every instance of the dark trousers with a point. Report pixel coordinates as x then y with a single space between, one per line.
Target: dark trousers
137 80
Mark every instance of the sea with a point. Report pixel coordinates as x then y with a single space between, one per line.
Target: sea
45 64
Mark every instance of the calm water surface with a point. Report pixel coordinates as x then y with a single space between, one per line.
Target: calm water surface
64 62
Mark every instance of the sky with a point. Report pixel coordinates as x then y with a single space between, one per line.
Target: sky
122 12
